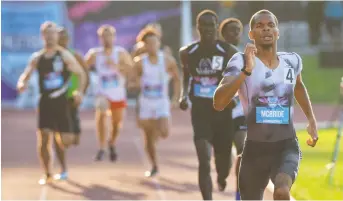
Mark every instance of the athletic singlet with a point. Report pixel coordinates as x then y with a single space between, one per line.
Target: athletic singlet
73 81
111 83
155 79
206 65
53 76
267 96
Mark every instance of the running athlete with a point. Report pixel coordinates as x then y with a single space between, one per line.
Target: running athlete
139 46
203 62
74 109
231 30
267 82
153 71
112 65
54 65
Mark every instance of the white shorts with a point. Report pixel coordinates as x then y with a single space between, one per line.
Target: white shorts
153 109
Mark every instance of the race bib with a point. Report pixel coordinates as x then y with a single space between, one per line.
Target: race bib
53 81
204 91
217 62
272 110
289 76
109 82
152 91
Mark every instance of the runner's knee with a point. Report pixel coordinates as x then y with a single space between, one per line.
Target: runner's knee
43 137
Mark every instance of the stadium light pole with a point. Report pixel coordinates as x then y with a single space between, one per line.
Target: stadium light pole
186 22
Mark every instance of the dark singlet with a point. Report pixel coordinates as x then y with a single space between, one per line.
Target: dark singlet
53 76
206 65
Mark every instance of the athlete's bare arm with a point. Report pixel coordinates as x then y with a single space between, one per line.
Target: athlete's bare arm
90 58
226 90
25 76
185 72
137 49
136 73
125 62
302 97
83 63
74 66
167 50
173 71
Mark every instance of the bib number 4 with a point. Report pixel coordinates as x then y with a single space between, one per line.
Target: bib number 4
289 76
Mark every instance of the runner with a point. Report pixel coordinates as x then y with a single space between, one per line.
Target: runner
54 65
231 30
139 48
153 70
112 65
204 62
74 109
267 82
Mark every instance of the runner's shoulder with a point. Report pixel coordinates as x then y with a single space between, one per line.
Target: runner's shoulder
291 58
189 49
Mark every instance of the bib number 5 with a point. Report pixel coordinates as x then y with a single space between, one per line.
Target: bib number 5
217 62
289 76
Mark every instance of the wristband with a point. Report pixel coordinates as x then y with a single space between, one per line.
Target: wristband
246 72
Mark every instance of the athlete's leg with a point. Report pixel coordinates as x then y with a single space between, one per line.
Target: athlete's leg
222 145
202 136
285 169
150 136
254 172
117 113
102 106
162 125
239 139
44 152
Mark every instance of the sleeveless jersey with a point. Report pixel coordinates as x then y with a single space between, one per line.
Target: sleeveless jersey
111 83
73 81
206 65
53 76
267 96
155 78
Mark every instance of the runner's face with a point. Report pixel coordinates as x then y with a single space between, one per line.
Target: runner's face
207 28
50 36
152 44
232 33
63 39
107 38
265 32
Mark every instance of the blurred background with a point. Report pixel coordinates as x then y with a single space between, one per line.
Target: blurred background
311 28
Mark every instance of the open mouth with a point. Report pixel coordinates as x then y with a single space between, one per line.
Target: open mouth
267 38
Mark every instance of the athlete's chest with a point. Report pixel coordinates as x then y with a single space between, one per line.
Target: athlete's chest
211 63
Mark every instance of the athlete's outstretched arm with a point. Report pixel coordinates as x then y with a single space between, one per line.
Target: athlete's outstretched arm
25 76
74 66
83 63
185 72
175 74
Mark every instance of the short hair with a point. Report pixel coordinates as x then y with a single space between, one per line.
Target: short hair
145 33
264 11
206 12
228 21
46 25
106 27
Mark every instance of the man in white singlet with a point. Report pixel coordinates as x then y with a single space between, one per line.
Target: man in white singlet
268 83
112 65
153 71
